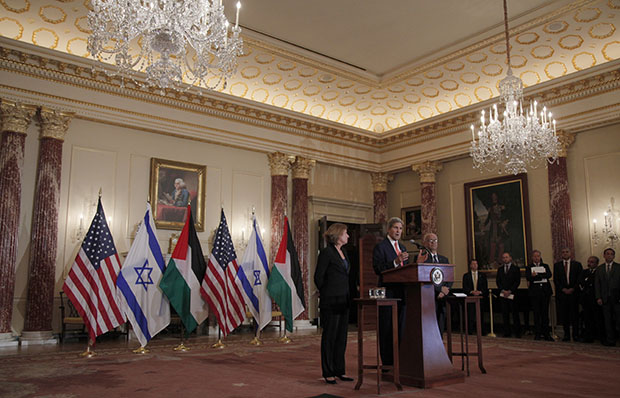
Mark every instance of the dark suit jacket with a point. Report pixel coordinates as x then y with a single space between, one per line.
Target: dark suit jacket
383 257
468 283
559 278
537 288
607 287
331 277
440 260
508 281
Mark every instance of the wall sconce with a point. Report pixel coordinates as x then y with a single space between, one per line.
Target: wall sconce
610 231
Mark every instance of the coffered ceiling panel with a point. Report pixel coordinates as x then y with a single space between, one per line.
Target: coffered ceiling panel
565 38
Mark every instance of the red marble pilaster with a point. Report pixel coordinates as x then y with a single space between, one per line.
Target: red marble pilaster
15 119
301 173
43 242
379 189
279 164
559 201
427 171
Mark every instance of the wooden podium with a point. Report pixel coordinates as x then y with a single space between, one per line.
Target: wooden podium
424 362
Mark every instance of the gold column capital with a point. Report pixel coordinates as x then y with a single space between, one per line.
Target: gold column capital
427 170
54 123
301 167
279 163
380 181
565 139
15 117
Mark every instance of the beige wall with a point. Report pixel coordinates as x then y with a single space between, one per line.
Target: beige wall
118 160
594 176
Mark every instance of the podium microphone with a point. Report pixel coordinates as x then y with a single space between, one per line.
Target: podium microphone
419 246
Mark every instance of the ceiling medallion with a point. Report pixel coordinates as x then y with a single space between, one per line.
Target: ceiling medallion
520 140
184 43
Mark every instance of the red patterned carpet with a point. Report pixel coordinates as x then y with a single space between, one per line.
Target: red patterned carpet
516 368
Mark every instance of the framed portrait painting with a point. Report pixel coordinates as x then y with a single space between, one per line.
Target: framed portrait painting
498 220
412 217
173 186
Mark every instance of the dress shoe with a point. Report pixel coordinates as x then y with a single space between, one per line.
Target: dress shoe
537 337
330 380
609 344
548 338
345 378
566 338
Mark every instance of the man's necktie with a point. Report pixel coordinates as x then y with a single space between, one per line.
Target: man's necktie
435 258
475 277
567 270
396 248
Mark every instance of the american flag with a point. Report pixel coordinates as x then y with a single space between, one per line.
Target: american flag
91 283
221 287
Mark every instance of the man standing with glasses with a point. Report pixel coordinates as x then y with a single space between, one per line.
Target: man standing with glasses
430 255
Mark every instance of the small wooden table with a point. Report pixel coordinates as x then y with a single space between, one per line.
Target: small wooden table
462 303
362 303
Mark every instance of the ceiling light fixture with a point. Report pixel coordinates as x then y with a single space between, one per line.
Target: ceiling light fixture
178 44
520 140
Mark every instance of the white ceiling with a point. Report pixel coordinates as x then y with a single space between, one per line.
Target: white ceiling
382 36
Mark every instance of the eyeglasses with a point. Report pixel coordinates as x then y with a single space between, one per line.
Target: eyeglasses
432 240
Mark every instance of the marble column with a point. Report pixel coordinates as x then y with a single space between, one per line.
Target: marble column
14 119
43 241
427 171
559 200
279 165
301 172
379 193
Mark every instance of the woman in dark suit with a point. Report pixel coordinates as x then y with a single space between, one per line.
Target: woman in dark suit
332 279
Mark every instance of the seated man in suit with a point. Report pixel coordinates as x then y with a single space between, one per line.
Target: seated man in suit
565 277
508 280
474 284
430 255
538 275
388 254
607 287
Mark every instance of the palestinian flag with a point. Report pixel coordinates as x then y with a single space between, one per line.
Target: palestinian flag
181 281
285 282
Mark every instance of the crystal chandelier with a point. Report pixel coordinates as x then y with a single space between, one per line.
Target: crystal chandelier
178 44
519 140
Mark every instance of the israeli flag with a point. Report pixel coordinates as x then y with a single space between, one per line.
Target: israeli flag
254 275
142 301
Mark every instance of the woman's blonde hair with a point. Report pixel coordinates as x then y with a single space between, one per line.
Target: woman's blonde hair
334 231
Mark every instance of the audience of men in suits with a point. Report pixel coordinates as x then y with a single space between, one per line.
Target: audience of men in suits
538 275
607 290
430 255
388 254
475 284
566 276
508 280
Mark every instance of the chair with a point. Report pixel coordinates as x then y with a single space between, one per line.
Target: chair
70 318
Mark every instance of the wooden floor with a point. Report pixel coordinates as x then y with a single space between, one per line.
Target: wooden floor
516 368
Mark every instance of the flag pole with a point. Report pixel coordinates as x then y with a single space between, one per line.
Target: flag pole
256 339
219 343
285 339
182 347
88 353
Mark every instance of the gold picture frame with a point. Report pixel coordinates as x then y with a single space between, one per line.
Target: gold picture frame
173 184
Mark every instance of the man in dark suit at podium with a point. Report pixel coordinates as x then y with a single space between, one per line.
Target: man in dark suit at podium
388 254
474 284
430 255
508 280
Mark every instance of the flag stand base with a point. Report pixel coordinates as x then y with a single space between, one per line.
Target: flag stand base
181 347
219 345
256 341
140 350
285 340
88 353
